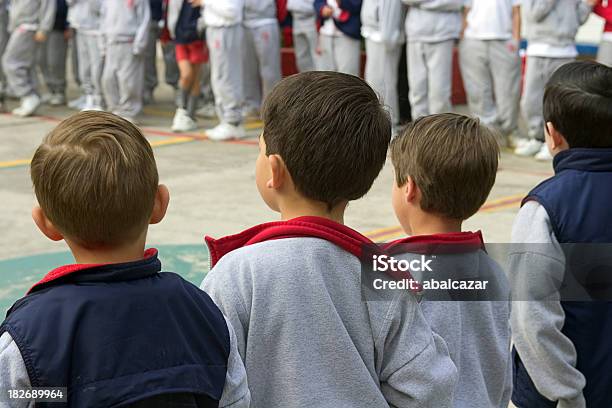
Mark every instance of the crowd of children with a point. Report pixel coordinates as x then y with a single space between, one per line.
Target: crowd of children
232 47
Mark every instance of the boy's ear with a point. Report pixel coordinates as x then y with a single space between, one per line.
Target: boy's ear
45 225
162 199
278 172
411 191
558 141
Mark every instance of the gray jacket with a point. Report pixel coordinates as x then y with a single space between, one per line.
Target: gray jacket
121 24
308 339
84 14
554 22
385 17
39 14
259 10
433 21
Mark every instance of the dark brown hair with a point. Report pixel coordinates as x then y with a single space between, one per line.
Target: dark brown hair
331 131
95 178
453 161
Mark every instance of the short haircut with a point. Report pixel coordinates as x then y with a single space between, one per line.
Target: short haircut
453 161
96 179
578 102
331 131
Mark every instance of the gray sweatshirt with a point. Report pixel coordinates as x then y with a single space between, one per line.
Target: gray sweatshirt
548 355
309 340
554 22
34 15
382 21
259 10
84 15
121 23
433 21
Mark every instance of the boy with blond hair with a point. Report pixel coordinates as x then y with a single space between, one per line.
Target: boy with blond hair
113 329
297 281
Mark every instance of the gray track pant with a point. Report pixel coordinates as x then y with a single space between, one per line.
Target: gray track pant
305 44
123 80
604 55
492 78
172 73
19 61
382 67
225 47
90 63
339 53
261 62
430 77
150 56
4 37
52 61
539 71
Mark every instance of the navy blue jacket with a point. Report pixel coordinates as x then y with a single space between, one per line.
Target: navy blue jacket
187 25
157 9
61 16
578 202
122 334
350 27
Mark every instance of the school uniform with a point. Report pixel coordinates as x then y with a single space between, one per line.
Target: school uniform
122 334
604 54
261 51
382 28
84 17
151 48
432 29
304 33
26 17
475 324
124 26
490 63
52 55
551 28
562 343
224 37
298 282
340 37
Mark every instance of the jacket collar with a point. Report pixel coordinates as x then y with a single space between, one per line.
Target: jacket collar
81 273
595 160
315 227
451 243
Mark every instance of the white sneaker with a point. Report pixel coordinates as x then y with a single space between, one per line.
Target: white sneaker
182 122
207 111
529 149
544 154
226 131
28 107
57 99
77 103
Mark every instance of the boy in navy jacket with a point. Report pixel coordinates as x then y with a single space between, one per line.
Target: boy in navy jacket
113 329
562 344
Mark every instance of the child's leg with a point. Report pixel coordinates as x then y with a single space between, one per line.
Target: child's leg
130 75
96 66
110 82
251 70
381 73
267 47
417 79
150 55
56 51
347 53
4 37
19 61
440 76
326 61
476 71
604 55
84 63
172 74
303 56
506 64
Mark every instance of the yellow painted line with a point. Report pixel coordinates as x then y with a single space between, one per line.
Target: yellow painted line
14 163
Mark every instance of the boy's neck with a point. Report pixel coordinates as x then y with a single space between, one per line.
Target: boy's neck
305 208
430 224
108 255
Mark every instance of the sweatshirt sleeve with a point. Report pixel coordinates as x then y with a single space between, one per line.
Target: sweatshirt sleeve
144 16
536 271
416 369
584 11
48 9
14 374
236 392
539 9
224 8
391 21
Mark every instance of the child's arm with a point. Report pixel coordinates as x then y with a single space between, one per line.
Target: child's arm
585 7
391 19
14 375
224 8
539 9
236 392
535 271
46 18
416 370
144 16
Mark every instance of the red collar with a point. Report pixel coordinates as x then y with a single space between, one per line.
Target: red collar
315 227
456 242
66 270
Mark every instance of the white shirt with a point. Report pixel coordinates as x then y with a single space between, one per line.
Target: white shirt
490 19
329 26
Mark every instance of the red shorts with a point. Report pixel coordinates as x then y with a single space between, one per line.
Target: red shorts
195 52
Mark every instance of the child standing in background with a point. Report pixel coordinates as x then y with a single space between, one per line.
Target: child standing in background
52 56
261 60
124 30
30 22
304 33
604 9
84 17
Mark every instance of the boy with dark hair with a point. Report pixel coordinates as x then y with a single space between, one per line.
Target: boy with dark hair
445 167
297 281
562 347
113 329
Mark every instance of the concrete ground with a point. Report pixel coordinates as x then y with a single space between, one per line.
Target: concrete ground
212 192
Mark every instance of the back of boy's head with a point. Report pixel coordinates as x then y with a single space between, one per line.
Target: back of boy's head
578 102
331 131
453 161
96 179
